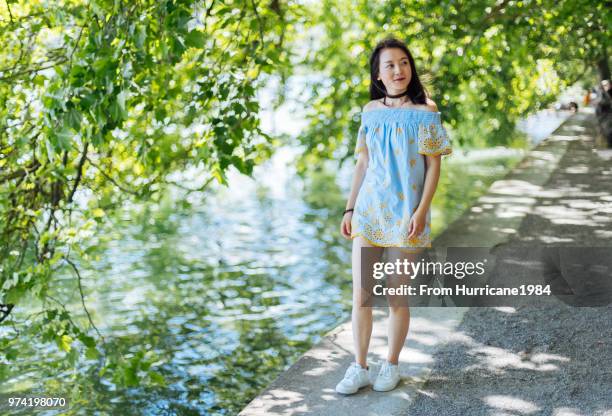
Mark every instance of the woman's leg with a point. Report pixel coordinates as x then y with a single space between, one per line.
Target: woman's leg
399 311
361 315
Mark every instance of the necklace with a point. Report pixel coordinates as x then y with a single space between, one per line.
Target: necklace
395 96
385 95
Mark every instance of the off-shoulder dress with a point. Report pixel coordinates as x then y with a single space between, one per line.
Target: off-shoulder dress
397 140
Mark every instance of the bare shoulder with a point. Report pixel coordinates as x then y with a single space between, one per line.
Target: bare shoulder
431 105
372 105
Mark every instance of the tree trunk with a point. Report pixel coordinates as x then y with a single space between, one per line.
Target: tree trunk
603 67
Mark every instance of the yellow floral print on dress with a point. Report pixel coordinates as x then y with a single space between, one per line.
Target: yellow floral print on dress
433 140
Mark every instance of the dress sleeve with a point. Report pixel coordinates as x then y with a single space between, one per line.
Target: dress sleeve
361 141
433 138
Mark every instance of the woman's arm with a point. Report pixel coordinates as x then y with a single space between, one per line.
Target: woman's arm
432 175
360 169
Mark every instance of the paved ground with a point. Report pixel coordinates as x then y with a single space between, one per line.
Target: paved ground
550 359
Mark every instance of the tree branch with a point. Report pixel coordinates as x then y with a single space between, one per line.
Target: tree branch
260 24
19 173
29 71
8 7
76 270
129 191
5 311
190 190
79 172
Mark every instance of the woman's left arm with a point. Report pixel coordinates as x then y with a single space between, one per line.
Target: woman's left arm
432 175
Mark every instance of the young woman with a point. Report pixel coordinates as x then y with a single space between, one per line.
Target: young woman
399 147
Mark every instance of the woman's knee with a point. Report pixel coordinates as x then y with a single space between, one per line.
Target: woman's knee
399 308
362 298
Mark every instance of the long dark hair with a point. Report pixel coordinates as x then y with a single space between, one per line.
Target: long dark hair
416 91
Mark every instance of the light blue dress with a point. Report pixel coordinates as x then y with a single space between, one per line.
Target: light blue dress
396 140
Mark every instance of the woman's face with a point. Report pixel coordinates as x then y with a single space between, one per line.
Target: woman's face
394 70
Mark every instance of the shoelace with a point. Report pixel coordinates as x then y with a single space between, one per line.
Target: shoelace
386 370
352 373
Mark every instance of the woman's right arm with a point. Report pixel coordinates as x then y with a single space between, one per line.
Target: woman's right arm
360 169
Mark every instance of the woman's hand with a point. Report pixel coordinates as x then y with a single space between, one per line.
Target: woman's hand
417 223
345 226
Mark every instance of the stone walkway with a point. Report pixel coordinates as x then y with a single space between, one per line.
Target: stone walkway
549 359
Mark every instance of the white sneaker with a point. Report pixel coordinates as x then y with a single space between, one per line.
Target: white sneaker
355 378
387 378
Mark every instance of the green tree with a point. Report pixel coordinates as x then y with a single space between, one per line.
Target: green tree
108 100
487 63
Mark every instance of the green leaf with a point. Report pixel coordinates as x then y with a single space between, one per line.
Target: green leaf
145 365
101 65
117 108
97 139
92 353
11 354
97 213
121 100
50 150
73 119
195 39
219 175
62 139
73 356
130 376
157 378
15 295
140 36
88 341
64 342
